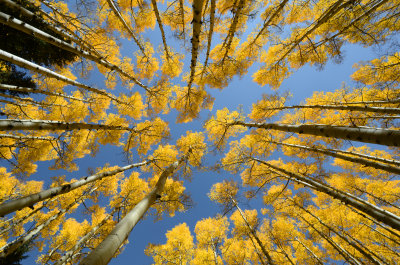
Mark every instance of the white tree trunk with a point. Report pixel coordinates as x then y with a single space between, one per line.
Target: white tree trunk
21 138
26 13
252 232
197 13
341 107
69 254
42 70
377 213
12 246
359 160
38 91
104 252
126 26
13 125
37 33
30 200
360 134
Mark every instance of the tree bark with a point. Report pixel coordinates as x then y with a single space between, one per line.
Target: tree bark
197 12
39 91
126 26
260 244
37 125
360 134
37 33
383 110
375 212
160 25
30 200
69 254
104 252
42 70
333 153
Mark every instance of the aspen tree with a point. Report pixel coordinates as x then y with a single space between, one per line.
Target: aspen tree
30 200
224 193
106 250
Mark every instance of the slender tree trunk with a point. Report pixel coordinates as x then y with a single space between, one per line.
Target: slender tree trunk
209 37
21 138
30 200
214 249
344 253
42 70
126 26
39 91
69 254
37 125
182 13
104 252
232 29
341 107
360 134
251 230
160 26
197 12
377 213
351 243
268 22
355 159
37 33
310 251
12 246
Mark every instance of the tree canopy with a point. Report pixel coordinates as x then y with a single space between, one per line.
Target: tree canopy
120 120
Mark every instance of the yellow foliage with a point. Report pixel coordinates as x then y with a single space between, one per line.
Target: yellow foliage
195 143
223 192
211 230
219 129
133 106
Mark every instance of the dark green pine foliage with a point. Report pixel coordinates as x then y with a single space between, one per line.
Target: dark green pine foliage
28 47
16 257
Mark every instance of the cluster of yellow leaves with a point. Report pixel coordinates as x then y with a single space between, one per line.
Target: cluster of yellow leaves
193 143
382 70
172 65
264 108
223 192
159 99
178 248
163 157
170 200
189 103
148 133
218 127
131 191
146 66
133 106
